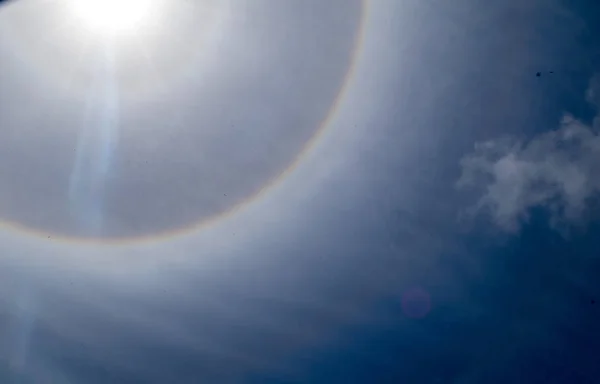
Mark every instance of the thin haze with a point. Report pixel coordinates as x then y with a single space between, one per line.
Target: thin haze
354 263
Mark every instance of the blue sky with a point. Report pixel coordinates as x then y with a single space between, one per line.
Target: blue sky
265 192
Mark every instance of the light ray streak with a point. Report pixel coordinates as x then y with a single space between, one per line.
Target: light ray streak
96 146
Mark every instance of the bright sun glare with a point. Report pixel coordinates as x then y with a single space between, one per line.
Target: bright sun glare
112 16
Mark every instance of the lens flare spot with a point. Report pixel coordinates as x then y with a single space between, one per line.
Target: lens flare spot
416 303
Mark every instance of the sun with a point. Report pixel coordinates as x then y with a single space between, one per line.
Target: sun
109 17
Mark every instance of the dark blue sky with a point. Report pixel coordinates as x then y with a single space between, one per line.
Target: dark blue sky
438 224
518 308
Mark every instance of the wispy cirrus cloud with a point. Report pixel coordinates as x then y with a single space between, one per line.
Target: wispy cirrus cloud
557 170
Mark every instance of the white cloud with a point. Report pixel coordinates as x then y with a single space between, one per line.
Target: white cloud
557 170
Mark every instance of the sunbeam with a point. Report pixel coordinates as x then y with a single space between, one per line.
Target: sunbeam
96 145
21 329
